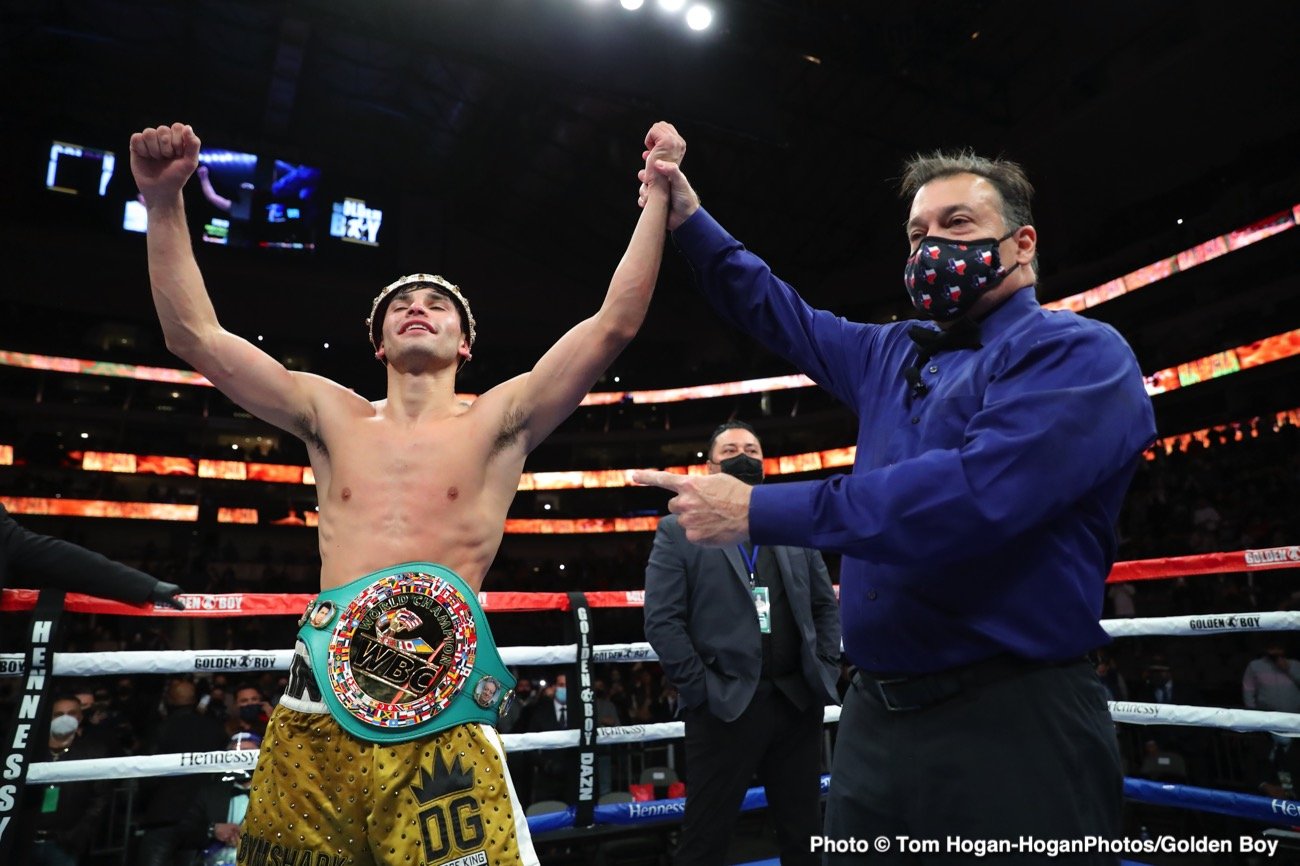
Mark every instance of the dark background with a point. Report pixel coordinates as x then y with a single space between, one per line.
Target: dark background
502 137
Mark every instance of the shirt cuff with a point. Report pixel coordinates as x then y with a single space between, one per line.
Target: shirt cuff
700 234
782 514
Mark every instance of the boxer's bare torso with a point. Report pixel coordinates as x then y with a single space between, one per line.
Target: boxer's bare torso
393 489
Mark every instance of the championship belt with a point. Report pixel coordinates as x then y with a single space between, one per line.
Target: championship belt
404 653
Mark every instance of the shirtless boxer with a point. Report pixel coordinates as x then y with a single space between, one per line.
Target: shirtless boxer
383 749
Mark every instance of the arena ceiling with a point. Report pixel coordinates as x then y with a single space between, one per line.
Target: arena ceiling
506 135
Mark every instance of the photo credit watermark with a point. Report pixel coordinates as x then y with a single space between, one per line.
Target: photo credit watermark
1043 847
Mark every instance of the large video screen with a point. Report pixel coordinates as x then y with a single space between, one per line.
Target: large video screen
238 199
225 181
76 170
355 221
235 199
285 207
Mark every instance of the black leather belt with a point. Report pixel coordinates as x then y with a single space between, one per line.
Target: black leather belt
904 694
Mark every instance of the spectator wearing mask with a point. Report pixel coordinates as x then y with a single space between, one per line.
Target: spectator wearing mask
750 635
61 820
251 711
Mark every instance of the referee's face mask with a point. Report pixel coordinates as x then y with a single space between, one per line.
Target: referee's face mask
945 277
956 231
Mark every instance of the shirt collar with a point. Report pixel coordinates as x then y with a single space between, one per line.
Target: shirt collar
1021 304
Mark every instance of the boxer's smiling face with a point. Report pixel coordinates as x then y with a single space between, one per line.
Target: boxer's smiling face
421 325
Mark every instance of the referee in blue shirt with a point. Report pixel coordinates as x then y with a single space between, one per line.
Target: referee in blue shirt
977 527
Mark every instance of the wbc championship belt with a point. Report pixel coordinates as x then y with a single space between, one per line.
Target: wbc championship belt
404 653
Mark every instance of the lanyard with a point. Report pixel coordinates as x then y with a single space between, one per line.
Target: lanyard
751 562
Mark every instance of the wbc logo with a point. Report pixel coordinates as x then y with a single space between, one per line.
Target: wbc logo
402 650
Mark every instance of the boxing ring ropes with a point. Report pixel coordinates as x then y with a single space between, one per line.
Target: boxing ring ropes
1272 811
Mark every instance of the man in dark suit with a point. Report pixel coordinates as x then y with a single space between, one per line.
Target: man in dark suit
550 776
39 561
750 637
1191 743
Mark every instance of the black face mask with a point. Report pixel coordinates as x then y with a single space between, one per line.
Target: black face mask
251 713
747 469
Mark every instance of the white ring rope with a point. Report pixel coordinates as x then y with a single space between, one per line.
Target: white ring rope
188 763
141 766
223 661
1214 623
1135 713
214 661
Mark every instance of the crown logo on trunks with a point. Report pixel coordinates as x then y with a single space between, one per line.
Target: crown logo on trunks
445 780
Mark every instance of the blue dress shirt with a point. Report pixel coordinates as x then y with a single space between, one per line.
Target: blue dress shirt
979 518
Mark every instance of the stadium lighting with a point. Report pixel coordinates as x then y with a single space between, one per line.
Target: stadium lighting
699 17
672 5
632 5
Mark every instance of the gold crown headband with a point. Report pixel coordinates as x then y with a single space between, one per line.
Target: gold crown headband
375 323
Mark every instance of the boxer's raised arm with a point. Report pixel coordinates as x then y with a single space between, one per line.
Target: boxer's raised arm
162 160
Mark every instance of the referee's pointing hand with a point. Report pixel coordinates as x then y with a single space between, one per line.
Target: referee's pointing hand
712 509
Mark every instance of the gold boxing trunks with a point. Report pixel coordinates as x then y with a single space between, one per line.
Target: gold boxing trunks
322 797
344 783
